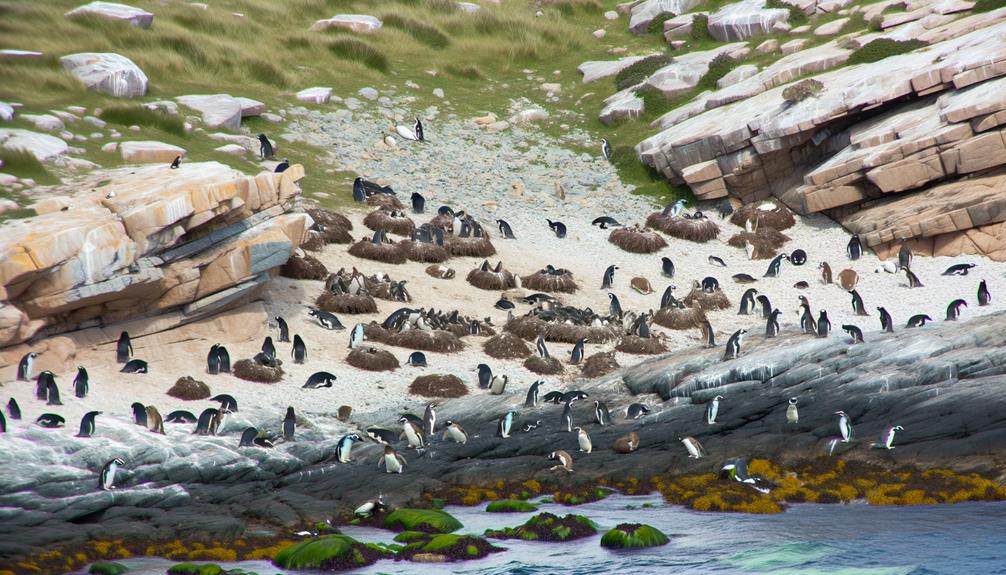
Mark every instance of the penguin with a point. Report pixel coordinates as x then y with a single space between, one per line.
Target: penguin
772 326
708 336
176 162
430 420
958 270
265 150
635 411
807 323
766 306
576 356
391 460
854 249
733 349
42 385
668 299
913 280
505 230
844 426
825 272
554 397
564 459
801 285
984 297
226 402
823 324
605 222
724 208
498 384
106 479
674 209
774 265
954 309
52 392
540 346
204 421
284 329
139 413
325 319
319 379
344 446
413 433
123 348
713 260
905 255
357 336
382 436
216 422
282 166
713 409
485 375
918 320
213 360
567 417
531 400
558 228
857 304
289 424
13 409
154 421
798 257
134 366
695 449
505 305
454 430
743 278
887 438
25 366
572 396
747 301
886 323
416 359
180 416
223 359
372 507
298 351
605 149
80 382
608 280
417 129
667 267
248 437
50 420
792 412
583 440
710 284
87 424
614 308
268 347
505 424
601 414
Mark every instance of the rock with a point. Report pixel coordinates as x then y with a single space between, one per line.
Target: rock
551 88
6 205
468 7
250 108
532 115
10 53
485 120
113 11
356 22
232 149
107 73
768 46
316 95
96 122
598 69
738 74
801 29
620 106
599 33
165 107
42 146
438 92
110 147
149 152
745 19
611 15
217 110
45 122
680 27
498 126
368 93
272 118
6 112
642 13
7 180
794 46
683 74
831 28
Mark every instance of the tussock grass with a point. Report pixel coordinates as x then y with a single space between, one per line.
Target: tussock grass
467 71
421 31
641 70
358 51
134 115
24 165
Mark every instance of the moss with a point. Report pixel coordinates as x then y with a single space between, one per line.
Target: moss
107 569
511 506
548 527
410 536
700 29
883 48
633 536
331 552
425 520
719 67
195 569
450 546
639 71
656 25
988 5
797 17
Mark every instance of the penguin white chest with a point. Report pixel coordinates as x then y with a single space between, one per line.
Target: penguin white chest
585 443
392 464
456 434
792 414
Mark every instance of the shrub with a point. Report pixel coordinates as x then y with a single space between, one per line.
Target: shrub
195 569
883 48
700 28
130 115
657 24
719 67
988 5
102 568
797 17
420 31
802 90
357 51
641 70
876 24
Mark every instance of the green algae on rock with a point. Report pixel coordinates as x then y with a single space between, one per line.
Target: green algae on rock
331 552
196 569
510 506
425 520
633 536
447 547
548 527
107 568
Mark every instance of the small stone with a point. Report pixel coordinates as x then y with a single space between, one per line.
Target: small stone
768 46
497 126
7 180
551 88
359 23
368 93
6 205
316 95
468 7
271 118
45 122
6 112
134 128
96 122
110 147
599 33
531 115
121 12
611 15
233 149
411 84
95 135
438 92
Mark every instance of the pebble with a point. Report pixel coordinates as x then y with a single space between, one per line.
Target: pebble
368 93
611 15
438 92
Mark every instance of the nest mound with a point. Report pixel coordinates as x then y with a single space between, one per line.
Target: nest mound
679 318
707 301
491 280
189 389
303 268
699 230
554 283
345 303
528 327
374 332
371 358
333 227
438 385
462 330
543 365
599 364
766 242
640 345
470 247
382 219
637 240
250 370
444 222
506 345
384 201
764 214
386 253
438 341
313 242
425 252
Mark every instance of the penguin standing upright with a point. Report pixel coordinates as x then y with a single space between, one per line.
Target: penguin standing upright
887 438
52 392
485 375
823 324
123 348
13 409
87 426
505 230
775 265
886 323
792 412
498 384
505 424
954 309
392 461
345 446
772 327
80 382
430 420
106 479
601 414
42 384
747 302
713 409
576 356
454 430
567 417
25 367
667 266
605 149
614 307
857 303
844 426
733 349
213 361
265 150
905 255
298 351
140 413
807 323
608 280
695 449
284 330
417 128
708 335
289 424
268 347
984 297
531 400
413 433
586 445
854 249
913 280
766 306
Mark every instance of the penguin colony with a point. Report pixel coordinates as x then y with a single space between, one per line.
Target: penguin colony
411 432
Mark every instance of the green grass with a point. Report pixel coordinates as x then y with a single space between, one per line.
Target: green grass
883 48
421 31
467 71
719 67
988 5
24 165
641 70
353 50
797 17
134 115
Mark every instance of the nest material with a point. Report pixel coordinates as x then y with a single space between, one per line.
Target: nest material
599 364
249 370
637 240
383 220
384 201
345 303
640 345
707 301
470 247
440 272
543 365
462 330
506 345
303 268
528 327
335 226
189 389
765 214
444 222
371 358
541 281
425 252
679 318
438 385
387 253
766 242
438 341
701 230
492 281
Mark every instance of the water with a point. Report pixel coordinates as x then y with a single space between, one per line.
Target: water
806 540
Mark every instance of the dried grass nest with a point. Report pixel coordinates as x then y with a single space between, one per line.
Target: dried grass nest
345 303
382 219
334 227
764 214
393 253
543 365
188 388
491 280
303 268
470 247
699 230
425 252
599 364
637 240
384 201
528 327
506 345
679 318
707 301
371 358
640 345
766 242
437 341
552 283
250 370
438 385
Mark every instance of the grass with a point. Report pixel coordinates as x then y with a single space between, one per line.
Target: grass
24 165
134 115
639 71
988 5
421 31
883 48
797 17
719 67
354 50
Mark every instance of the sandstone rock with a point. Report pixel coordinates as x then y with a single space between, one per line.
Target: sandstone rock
250 108
46 122
794 46
745 19
356 22
621 106
611 15
232 149
738 74
316 95
217 110
680 27
551 87
110 147
368 93
498 126
113 11
42 146
149 152
683 74
485 120
644 12
107 73
831 28
6 112
531 115
599 33
597 69
768 46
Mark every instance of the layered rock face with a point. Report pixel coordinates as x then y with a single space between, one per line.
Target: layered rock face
192 240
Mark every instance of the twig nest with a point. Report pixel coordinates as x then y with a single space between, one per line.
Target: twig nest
849 279
374 332
470 247
384 201
550 280
303 268
346 303
599 364
313 242
764 242
766 213
637 240
705 300
462 330
425 252
529 327
438 385
506 345
371 358
543 365
492 279
679 318
641 285
391 221
389 253
249 370
333 227
640 345
189 389
435 340
686 227
440 272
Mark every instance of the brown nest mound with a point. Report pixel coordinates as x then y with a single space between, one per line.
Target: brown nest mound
335 227
470 247
765 214
303 268
424 252
374 332
701 230
506 345
313 243
637 240
346 303
438 385
189 389
249 370
492 281
370 358
707 301
679 318
555 283
387 253
462 330
444 222
528 327
438 341
384 220
640 345
766 242
384 201
543 365
599 364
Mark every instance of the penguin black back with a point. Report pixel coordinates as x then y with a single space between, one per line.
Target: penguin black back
123 348
284 329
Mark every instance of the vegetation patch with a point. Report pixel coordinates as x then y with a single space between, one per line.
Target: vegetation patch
106 568
633 536
700 29
511 506
188 388
797 17
447 547
421 31
466 71
883 48
196 569
548 527
988 5
355 50
719 67
638 72
331 553
135 115
802 90
24 164
423 520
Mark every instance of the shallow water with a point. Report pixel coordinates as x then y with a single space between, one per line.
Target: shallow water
806 540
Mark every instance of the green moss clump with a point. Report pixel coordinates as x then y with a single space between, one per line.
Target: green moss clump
638 72
883 48
797 17
450 546
331 552
633 536
511 506
425 520
656 25
107 569
719 67
988 5
700 29
410 536
195 569
548 527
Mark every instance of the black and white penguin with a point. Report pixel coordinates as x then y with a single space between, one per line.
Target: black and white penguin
81 382
558 228
319 379
416 359
710 284
205 420
181 416
357 336
887 438
567 417
984 297
505 424
695 449
263 358
905 255
454 430
733 349
708 335
724 208
531 399
213 360
265 150
554 397
52 392
325 319
583 440
541 348
289 424
50 420
766 306
614 308
747 302
854 249
792 411
565 461
497 385
248 437
382 436
284 329
576 356
743 278
958 270
772 326
605 222
844 426
485 375
608 279
268 347
505 230
298 350
823 324
954 309
13 409
798 257
226 401
573 396
282 166
716 261
854 332
713 410
413 432
134 366
345 446
635 411
26 366
605 149
106 479
176 162
913 280
223 359
139 413
42 384
601 414
775 265
505 305
858 307
391 460
667 266
886 323
87 424
430 419
918 320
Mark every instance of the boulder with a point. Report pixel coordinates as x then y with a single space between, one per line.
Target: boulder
597 69
738 74
107 73
217 110
531 115
232 149
468 7
6 112
250 108
113 11
683 74
11 53
316 95
831 28
680 27
42 146
46 122
621 106
149 152
745 19
646 11
355 22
